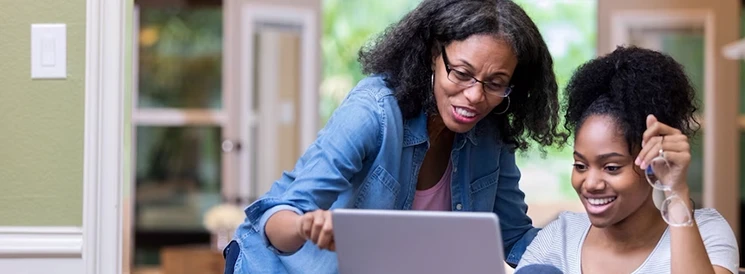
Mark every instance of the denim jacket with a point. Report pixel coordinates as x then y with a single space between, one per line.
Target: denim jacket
368 156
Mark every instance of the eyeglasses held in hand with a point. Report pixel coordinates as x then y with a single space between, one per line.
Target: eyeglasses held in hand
674 210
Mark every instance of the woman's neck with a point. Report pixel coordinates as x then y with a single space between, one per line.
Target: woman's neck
642 229
438 132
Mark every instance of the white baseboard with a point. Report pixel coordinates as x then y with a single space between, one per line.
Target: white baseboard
40 242
41 266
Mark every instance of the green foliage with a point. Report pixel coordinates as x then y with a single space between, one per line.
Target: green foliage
347 26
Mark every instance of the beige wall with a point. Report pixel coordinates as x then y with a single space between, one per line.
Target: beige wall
288 148
721 184
41 121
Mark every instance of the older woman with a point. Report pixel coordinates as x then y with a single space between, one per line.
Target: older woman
455 88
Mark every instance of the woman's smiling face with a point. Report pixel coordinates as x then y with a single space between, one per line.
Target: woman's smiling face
609 184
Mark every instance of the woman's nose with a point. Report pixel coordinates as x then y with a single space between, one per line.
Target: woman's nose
475 94
594 181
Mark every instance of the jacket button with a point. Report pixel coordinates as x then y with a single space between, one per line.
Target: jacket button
459 206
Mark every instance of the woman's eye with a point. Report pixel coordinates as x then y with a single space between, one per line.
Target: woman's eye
461 75
580 167
613 168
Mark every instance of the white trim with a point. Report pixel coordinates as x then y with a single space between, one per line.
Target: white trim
104 158
178 117
306 19
46 242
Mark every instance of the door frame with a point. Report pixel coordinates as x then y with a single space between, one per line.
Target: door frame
251 16
104 156
241 19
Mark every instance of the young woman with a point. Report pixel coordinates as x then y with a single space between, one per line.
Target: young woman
456 87
632 113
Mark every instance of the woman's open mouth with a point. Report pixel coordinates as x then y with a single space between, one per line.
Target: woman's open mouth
598 206
464 115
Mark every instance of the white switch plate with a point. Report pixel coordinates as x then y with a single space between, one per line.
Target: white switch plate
48 51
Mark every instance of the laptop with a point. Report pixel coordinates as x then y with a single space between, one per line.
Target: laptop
406 241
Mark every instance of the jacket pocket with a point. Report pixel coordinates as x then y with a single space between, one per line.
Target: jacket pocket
484 192
379 191
485 181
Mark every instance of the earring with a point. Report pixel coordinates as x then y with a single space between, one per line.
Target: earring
432 81
505 109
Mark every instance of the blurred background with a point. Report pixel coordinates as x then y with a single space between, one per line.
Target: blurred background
227 94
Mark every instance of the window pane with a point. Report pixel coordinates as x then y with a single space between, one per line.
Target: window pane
178 177
180 57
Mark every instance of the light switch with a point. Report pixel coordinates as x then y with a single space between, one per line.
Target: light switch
48 51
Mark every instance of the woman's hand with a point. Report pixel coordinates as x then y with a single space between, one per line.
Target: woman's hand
676 149
317 227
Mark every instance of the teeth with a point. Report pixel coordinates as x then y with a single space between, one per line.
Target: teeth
599 202
464 112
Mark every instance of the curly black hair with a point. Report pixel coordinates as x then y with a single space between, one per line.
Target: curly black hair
627 85
404 53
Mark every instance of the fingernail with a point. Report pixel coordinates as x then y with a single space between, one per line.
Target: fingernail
636 162
643 165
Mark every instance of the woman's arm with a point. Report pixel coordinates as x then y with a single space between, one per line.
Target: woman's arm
688 251
516 227
352 133
547 248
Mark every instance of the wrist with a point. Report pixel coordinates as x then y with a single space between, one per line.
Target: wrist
679 210
299 235
681 189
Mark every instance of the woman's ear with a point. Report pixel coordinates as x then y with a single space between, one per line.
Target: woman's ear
435 55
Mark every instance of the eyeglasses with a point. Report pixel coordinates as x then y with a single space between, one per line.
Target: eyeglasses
657 172
466 80
674 210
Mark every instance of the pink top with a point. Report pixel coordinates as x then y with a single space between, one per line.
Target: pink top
436 197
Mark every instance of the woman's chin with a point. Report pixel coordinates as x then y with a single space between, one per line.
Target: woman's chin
459 126
600 223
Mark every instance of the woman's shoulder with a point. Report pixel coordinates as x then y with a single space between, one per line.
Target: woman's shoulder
371 95
573 218
565 223
718 237
709 217
553 244
374 86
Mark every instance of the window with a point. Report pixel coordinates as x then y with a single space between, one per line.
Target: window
177 123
